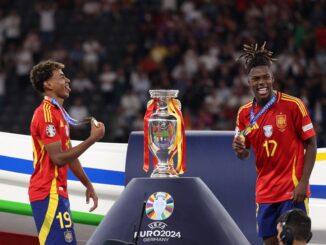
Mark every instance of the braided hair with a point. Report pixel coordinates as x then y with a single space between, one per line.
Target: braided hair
255 56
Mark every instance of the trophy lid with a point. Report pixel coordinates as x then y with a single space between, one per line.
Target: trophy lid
163 93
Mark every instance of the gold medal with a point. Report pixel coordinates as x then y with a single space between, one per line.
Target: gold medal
242 138
95 122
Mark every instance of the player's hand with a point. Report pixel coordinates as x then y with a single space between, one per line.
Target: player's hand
300 192
90 193
238 144
97 130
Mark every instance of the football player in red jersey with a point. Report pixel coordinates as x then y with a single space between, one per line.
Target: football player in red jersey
53 155
279 129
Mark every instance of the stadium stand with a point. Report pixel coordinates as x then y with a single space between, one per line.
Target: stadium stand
187 45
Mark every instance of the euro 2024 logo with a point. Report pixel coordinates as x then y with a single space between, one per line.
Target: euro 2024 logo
159 206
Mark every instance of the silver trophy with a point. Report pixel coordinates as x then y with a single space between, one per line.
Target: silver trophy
162 129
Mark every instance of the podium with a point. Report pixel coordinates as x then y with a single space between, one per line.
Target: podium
190 214
211 158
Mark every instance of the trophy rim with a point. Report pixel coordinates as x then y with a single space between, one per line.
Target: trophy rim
164 93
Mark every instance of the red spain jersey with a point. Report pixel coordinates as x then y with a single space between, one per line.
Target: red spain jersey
48 126
277 140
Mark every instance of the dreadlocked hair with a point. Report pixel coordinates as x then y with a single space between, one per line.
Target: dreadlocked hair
255 56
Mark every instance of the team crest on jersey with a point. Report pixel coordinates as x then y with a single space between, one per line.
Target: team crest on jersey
281 122
268 130
50 130
68 236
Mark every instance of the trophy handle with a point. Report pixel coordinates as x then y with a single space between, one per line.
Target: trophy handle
178 104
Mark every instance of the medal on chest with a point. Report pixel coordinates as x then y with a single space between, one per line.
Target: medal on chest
254 117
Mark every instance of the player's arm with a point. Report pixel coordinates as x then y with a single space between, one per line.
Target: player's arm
309 158
239 143
60 157
79 172
309 161
307 133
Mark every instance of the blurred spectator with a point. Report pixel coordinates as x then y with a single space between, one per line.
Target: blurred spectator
12 27
138 122
46 11
92 50
130 105
79 111
321 59
140 84
213 103
76 53
107 79
120 86
2 30
24 63
191 62
81 84
91 7
158 52
169 5
322 103
59 53
2 86
33 43
209 59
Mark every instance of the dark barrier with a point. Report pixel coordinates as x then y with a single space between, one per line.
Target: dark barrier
210 156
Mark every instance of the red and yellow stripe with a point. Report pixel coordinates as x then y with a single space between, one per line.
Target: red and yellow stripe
248 105
297 101
151 106
52 208
36 155
47 113
180 142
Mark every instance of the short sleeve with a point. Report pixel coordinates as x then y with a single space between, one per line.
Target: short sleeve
48 126
240 125
303 121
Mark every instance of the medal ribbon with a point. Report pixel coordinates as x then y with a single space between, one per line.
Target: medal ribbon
180 143
67 117
181 167
253 117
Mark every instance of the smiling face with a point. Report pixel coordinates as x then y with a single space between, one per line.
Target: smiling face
57 86
261 83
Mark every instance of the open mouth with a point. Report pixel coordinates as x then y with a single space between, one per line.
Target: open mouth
67 87
262 91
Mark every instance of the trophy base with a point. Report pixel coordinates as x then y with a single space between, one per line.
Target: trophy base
166 173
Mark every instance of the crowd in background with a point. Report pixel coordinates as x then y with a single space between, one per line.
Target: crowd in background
115 51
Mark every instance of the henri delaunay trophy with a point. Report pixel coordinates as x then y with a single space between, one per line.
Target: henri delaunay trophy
164 134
